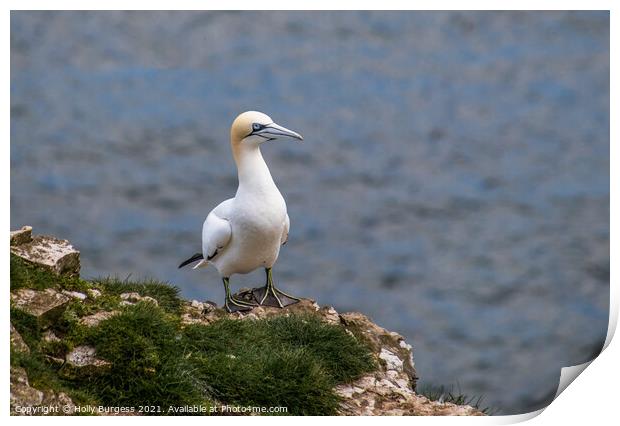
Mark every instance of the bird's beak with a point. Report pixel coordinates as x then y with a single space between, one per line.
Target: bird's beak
275 131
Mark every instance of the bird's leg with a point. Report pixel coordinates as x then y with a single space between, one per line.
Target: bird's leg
271 296
232 304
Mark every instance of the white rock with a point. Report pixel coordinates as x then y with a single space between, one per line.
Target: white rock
74 294
392 361
346 391
196 304
22 394
36 302
21 236
93 293
17 342
96 318
84 356
404 345
57 255
133 298
330 315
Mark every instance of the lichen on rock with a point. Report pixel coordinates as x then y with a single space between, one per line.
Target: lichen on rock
96 318
57 255
85 357
74 294
22 394
133 297
28 401
17 342
42 304
21 236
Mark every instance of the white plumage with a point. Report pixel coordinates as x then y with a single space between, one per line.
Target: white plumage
246 232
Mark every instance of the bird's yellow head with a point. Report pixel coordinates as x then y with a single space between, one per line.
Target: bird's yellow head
254 128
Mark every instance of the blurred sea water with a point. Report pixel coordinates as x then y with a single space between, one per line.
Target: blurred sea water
453 183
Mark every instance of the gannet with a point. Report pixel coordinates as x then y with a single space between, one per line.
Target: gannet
246 232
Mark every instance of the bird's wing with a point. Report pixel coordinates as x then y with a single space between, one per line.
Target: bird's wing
216 231
287 225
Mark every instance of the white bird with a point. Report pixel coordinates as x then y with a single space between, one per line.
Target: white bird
246 232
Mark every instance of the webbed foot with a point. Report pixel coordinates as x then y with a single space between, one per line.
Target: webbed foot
269 295
235 305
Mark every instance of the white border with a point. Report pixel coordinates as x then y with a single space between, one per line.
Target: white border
591 399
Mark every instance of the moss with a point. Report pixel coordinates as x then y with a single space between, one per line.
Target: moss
25 274
40 374
82 308
69 325
44 375
27 326
166 295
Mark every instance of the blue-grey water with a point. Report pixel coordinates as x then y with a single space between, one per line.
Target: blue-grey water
453 183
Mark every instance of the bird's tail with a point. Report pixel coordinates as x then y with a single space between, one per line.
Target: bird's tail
194 258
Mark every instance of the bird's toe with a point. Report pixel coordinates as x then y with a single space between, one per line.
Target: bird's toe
273 298
233 307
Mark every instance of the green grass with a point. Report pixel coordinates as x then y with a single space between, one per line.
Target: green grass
148 363
448 394
166 295
41 375
42 372
27 275
292 361
27 326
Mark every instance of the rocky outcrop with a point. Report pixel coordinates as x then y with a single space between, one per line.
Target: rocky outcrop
57 255
22 394
96 318
21 236
28 401
17 343
373 395
388 391
85 357
45 305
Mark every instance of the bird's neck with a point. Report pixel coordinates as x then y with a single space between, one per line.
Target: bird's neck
253 172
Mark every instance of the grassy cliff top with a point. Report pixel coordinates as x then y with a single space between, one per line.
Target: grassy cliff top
136 347
147 356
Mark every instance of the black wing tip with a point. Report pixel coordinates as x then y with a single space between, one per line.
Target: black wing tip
194 258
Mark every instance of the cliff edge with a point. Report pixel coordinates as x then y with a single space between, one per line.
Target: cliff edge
118 347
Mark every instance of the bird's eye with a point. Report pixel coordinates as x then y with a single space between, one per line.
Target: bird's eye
256 126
